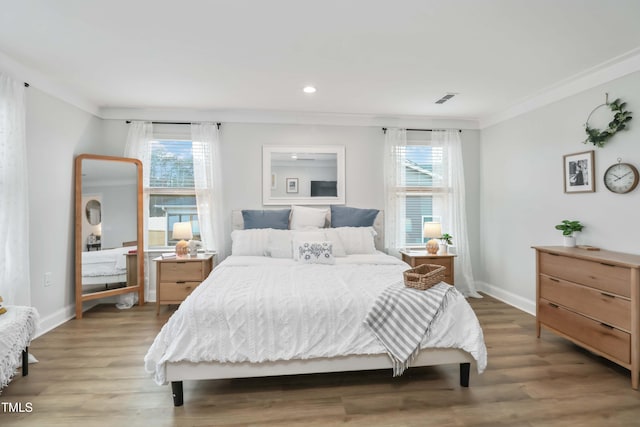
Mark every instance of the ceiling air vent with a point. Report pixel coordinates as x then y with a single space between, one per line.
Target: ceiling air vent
445 98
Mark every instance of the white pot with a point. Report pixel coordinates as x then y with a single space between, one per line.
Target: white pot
442 249
570 241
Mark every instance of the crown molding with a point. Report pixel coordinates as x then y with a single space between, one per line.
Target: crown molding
605 72
46 84
284 117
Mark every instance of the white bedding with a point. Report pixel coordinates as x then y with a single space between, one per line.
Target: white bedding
258 309
107 262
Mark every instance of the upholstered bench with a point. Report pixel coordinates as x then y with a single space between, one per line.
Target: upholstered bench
17 329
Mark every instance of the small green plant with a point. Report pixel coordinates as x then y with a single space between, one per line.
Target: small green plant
446 238
569 227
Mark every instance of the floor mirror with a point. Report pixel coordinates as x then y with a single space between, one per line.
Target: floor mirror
109 252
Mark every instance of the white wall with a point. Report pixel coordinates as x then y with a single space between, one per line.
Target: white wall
522 196
56 133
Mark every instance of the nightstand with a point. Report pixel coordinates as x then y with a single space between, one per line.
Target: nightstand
416 258
176 278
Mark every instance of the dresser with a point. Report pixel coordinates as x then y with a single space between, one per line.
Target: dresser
416 258
591 298
176 278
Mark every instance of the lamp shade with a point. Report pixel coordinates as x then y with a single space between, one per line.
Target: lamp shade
182 230
432 230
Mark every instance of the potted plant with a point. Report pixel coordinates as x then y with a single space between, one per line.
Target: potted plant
568 228
445 239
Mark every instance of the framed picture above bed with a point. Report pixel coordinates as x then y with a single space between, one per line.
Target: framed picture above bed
308 175
579 172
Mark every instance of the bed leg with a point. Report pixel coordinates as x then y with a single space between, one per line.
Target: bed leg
178 397
25 362
465 368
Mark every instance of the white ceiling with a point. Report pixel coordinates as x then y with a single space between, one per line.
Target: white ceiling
374 57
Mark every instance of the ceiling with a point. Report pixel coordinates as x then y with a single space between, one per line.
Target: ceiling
374 57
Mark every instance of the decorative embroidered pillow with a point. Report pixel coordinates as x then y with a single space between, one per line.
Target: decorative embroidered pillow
299 237
315 253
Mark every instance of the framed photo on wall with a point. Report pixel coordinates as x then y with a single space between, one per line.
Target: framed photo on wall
292 185
579 172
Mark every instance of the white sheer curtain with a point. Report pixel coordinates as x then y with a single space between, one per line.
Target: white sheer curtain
208 185
14 208
140 134
394 203
454 215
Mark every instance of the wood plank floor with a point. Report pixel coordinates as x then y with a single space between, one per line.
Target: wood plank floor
91 374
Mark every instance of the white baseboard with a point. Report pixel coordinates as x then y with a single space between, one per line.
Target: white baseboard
59 317
512 299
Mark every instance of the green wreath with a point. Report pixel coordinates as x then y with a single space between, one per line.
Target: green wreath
619 122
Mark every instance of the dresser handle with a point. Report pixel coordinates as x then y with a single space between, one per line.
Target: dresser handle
553 305
607 265
549 253
181 282
604 325
554 280
607 295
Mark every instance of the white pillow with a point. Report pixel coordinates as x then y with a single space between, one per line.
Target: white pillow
316 235
279 244
251 242
357 240
315 252
331 234
303 217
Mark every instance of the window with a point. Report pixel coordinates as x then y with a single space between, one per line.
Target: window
172 196
420 188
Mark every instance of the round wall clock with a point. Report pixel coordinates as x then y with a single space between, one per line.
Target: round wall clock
621 178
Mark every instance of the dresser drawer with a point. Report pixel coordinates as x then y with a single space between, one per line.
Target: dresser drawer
176 292
603 276
185 271
603 338
607 308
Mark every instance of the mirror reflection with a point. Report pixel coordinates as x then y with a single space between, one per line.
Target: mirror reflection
108 227
303 175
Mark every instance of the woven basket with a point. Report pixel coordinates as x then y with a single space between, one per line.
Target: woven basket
424 276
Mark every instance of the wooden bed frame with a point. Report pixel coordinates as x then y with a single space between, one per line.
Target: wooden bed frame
180 371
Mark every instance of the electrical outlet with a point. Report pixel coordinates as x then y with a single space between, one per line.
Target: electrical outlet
47 280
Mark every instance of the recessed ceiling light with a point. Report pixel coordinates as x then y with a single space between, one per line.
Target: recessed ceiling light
309 89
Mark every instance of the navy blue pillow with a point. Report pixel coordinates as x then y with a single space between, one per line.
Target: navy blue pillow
278 218
342 216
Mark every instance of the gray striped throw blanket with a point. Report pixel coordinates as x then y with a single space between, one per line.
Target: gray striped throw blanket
401 317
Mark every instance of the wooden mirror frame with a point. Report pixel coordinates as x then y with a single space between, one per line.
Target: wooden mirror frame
79 215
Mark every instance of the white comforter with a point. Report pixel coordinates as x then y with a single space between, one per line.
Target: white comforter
257 309
105 262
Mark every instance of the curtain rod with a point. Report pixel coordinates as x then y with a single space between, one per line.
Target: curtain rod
174 123
420 130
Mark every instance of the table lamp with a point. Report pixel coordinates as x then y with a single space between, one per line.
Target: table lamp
182 231
432 231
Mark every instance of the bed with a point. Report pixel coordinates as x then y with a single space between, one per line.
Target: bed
259 315
107 267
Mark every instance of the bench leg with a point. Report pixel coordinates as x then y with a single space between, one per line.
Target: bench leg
465 368
178 397
25 362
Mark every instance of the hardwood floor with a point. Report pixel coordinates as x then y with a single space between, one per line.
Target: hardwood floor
90 373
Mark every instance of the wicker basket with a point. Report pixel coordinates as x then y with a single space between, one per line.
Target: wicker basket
424 276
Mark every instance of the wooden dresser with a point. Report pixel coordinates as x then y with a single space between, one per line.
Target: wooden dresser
416 258
591 298
176 278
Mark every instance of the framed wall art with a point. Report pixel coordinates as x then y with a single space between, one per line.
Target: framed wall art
292 185
579 172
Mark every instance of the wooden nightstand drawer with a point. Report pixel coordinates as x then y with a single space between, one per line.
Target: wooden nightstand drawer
176 292
600 275
601 337
177 278
607 308
181 271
